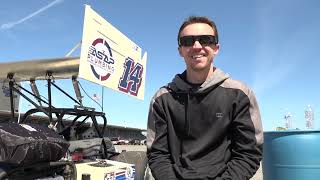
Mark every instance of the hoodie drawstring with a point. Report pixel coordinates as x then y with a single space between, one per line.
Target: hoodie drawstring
186 131
186 115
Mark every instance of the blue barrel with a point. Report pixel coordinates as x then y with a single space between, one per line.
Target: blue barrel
291 155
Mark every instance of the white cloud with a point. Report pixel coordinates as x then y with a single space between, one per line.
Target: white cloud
10 25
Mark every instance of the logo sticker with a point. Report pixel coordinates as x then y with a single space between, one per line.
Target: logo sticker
6 92
100 59
219 115
110 176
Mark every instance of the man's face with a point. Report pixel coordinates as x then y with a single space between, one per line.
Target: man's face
198 57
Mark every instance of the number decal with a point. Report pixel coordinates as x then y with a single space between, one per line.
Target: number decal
131 78
110 176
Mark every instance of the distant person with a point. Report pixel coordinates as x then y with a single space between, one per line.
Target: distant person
203 124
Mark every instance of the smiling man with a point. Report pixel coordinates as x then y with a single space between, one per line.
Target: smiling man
203 125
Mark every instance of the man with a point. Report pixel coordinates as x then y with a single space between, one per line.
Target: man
203 125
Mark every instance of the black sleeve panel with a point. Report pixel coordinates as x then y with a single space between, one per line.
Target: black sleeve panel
158 154
246 149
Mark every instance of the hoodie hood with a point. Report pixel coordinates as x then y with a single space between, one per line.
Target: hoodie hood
179 84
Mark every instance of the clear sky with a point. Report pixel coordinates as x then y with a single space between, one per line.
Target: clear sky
272 46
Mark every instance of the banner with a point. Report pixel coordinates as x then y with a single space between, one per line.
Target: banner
109 58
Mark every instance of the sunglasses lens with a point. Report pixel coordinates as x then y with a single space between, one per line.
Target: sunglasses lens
206 40
202 39
187 41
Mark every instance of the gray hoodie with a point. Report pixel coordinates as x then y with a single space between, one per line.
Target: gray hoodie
207 131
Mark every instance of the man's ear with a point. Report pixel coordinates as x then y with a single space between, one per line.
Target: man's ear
179 49
216 49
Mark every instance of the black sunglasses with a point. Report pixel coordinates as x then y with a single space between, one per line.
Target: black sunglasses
202 39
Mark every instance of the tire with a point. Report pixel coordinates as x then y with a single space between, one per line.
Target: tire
139 158
110 148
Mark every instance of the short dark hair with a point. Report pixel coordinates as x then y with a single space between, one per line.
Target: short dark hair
199 19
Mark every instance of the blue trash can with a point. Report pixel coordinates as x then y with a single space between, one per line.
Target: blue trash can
291 155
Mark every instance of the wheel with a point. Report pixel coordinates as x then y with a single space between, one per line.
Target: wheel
139 158
111 150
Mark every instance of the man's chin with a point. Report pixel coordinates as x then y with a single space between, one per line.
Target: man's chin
199 68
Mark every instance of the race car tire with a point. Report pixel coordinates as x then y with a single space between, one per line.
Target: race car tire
111 150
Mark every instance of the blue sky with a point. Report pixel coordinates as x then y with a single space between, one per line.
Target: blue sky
272 46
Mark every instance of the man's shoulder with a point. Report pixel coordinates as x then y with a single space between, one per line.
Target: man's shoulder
161 91
236 84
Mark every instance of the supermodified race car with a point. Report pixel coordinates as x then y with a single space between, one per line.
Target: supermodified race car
55 148
33 146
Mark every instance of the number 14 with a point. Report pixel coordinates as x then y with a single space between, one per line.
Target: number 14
131 78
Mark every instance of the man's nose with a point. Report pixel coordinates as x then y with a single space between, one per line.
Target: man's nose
197 44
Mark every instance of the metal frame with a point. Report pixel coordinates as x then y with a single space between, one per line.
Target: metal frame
78 111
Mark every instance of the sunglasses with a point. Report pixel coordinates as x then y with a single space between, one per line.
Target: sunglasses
204 40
